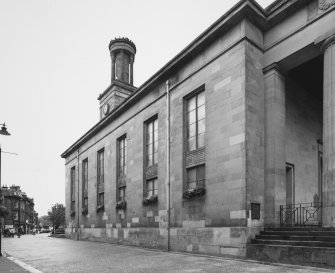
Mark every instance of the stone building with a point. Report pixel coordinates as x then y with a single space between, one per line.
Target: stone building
221 142
21 208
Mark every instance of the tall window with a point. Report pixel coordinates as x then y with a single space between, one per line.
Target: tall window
196 177
152 187
122 167
85 183
73 199
122 145
100 178
196 122
151 158
151 142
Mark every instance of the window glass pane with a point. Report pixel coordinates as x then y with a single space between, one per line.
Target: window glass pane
191 175
150 149
155 184
150 128
192 130
155 160
201 140
156 135
156 124
201 112
191 104
201 172
201 126
150 159
201 99
191 144
156 146
150 138
191 117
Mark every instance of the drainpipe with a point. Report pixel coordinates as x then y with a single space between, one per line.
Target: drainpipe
168 161
78 195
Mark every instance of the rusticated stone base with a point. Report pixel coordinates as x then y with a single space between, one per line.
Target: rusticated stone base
224 241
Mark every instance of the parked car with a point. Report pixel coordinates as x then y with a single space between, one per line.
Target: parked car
9 232
45 230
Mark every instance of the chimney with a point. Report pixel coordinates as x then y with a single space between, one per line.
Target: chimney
122 52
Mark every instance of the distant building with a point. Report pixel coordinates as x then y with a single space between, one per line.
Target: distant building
21 208
227 138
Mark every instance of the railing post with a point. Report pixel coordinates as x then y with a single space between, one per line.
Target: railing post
281 215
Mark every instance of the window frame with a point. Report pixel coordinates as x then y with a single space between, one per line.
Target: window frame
121 175
152 121
85 183
154 189
197 180
73 188
100 177
194 94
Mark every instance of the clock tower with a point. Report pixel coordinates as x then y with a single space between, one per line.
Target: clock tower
122 52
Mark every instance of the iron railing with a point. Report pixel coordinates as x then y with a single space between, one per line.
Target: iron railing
304 214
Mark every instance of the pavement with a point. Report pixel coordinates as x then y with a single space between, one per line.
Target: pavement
8 266
41 253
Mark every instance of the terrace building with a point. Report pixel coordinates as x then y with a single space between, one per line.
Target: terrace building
21 208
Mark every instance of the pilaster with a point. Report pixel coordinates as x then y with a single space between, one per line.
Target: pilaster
328 191
275 168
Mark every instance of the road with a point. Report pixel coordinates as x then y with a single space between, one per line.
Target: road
66 256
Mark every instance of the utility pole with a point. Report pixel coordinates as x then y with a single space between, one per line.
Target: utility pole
4 132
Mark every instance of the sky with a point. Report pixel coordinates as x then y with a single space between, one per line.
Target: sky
54 62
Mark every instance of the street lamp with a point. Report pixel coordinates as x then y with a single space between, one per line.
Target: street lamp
5 133
4 130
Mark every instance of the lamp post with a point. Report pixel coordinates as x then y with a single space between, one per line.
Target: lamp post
4 132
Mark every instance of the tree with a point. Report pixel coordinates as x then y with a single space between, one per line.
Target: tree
57 215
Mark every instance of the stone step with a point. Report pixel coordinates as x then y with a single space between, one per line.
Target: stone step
294 243
301 228
291 237
310 256
298 233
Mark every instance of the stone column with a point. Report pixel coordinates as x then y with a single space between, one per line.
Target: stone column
131 69
328 198
113 66
275 166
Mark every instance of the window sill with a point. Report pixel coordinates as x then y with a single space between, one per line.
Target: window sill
100 208
150 200
191 193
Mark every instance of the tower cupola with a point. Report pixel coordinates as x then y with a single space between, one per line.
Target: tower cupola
122 51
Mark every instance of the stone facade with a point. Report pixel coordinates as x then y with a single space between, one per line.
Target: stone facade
260 117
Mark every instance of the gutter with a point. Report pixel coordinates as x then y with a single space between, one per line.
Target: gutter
168 205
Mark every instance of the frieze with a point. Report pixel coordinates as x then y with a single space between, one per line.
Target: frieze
326 4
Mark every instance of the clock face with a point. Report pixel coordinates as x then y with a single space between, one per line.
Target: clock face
105 108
